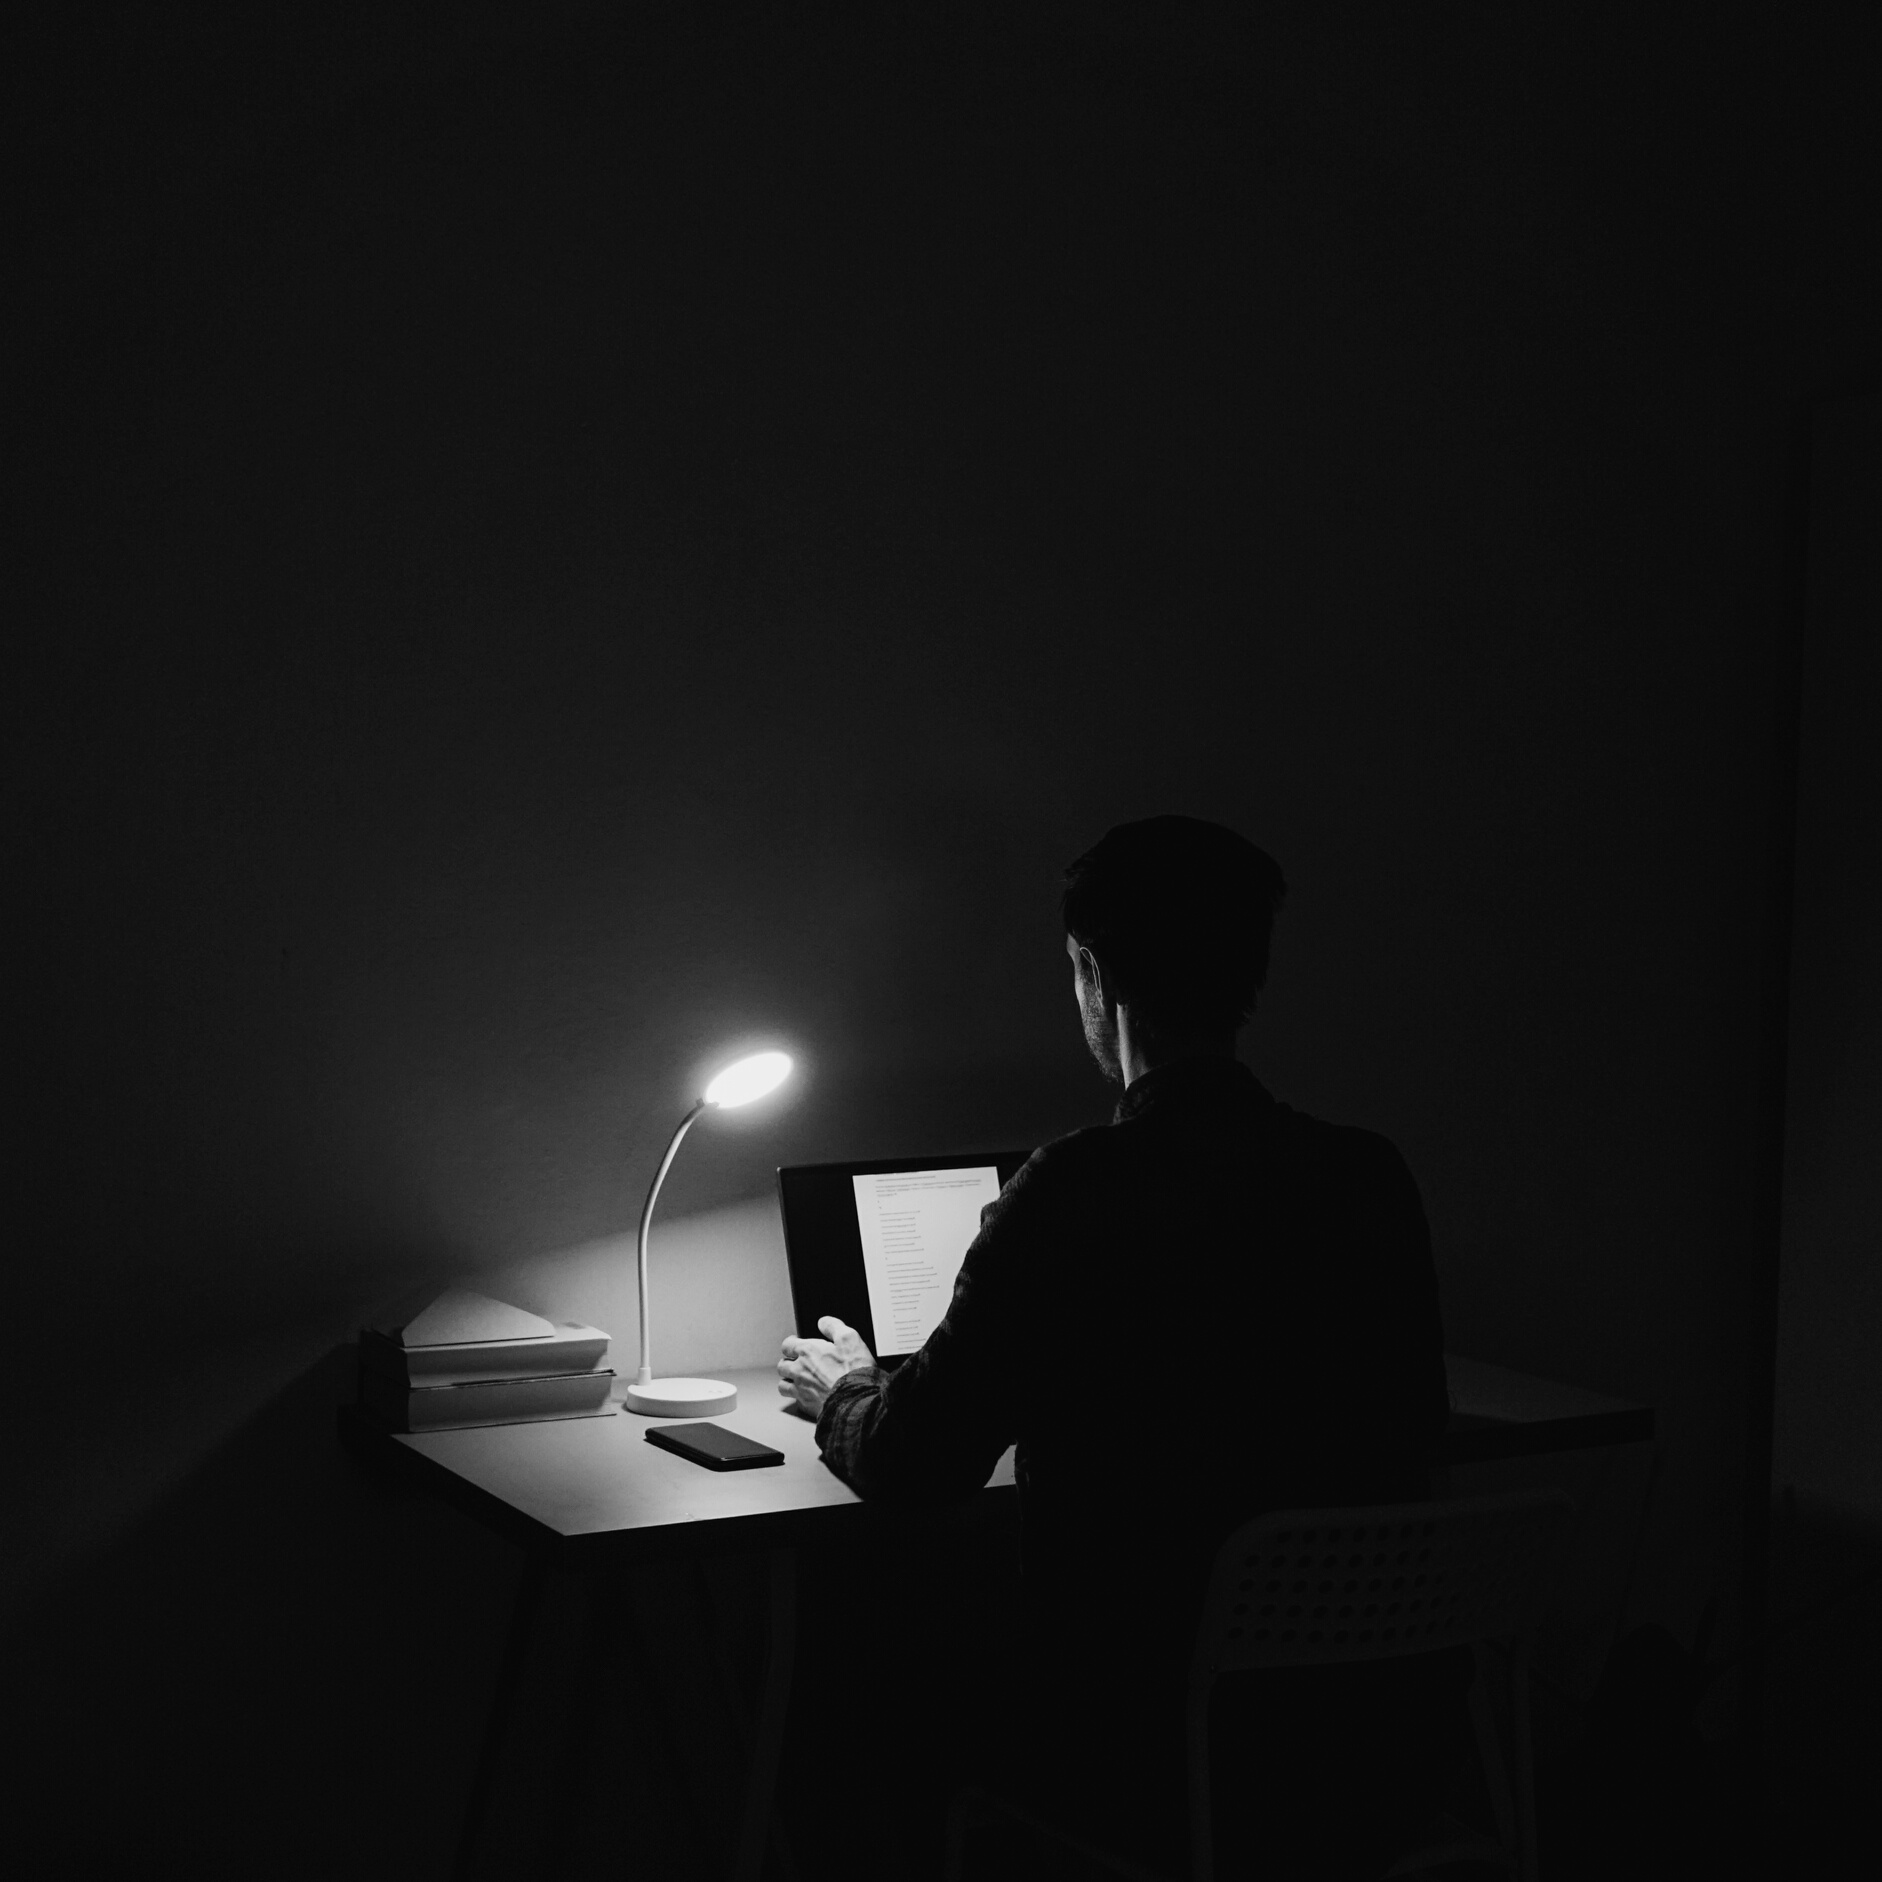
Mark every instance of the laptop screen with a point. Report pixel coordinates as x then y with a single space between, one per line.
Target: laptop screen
878 1244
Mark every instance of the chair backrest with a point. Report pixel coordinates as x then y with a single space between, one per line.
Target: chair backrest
1316 1587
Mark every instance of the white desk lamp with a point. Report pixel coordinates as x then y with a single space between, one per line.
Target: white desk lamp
695 1398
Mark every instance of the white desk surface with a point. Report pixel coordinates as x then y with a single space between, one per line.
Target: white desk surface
554 1483
594 1476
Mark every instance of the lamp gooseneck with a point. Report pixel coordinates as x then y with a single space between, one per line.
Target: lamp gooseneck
646 1217
740 1083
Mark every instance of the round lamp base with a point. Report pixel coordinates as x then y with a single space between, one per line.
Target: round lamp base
681 1398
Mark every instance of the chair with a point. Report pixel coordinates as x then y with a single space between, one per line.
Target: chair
1332 1586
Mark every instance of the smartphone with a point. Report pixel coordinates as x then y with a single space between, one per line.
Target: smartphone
713 1446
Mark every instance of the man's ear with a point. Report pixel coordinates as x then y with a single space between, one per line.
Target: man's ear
1095 974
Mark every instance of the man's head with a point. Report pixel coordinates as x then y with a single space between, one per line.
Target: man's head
1177 916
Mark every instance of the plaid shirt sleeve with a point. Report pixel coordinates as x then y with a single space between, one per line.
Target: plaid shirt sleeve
935 1428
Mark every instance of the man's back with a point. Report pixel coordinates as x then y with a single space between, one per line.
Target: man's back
1241 1298
1213 1307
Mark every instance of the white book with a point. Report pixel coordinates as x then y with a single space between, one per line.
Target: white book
405 1407
567 1347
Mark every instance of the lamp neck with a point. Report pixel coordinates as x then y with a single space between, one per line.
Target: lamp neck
646 1217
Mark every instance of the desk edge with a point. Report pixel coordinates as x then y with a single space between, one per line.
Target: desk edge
1520 1438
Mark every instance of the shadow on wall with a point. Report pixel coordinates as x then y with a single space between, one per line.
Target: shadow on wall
717 1282
283 1655
280 1659
188 1374
290 1663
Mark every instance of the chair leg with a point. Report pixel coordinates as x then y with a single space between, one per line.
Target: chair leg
1201 1803
1490 1751
969 1806
1526 1851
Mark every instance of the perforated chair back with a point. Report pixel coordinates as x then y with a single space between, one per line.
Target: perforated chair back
1323 1587
1318 1587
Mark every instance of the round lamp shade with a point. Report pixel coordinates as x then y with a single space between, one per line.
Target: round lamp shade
748 1079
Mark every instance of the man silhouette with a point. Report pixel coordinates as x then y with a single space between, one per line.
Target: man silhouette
1213 1306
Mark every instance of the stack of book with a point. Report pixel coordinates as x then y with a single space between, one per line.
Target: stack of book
464 1359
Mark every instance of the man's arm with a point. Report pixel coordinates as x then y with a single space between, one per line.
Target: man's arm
808 1368
937 1426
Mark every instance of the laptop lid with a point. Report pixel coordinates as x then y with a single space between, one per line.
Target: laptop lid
878 1243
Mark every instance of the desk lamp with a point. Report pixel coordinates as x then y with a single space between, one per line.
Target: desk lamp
695 1398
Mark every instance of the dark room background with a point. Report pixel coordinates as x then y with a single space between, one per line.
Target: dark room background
558 541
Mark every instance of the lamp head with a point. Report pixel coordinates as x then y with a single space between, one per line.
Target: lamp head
749 1078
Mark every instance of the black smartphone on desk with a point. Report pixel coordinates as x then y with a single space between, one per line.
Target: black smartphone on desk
713 1446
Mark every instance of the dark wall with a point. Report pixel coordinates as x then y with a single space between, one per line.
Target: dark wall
1827 1454
1829 1425
559 548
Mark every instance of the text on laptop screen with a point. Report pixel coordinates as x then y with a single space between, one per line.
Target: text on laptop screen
916 1225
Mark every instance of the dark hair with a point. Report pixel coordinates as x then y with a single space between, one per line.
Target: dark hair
1181 913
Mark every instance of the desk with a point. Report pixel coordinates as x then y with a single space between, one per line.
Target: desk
1496 1413
591 1494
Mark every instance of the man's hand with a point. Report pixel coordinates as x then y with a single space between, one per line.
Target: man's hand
809 1368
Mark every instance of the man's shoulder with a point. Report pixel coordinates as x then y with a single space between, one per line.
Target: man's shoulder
1343 1147
1295 1138
1097 1143
1073 1173
1067 1158
1352 1140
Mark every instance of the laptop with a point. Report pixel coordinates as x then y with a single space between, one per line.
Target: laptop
878 1243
